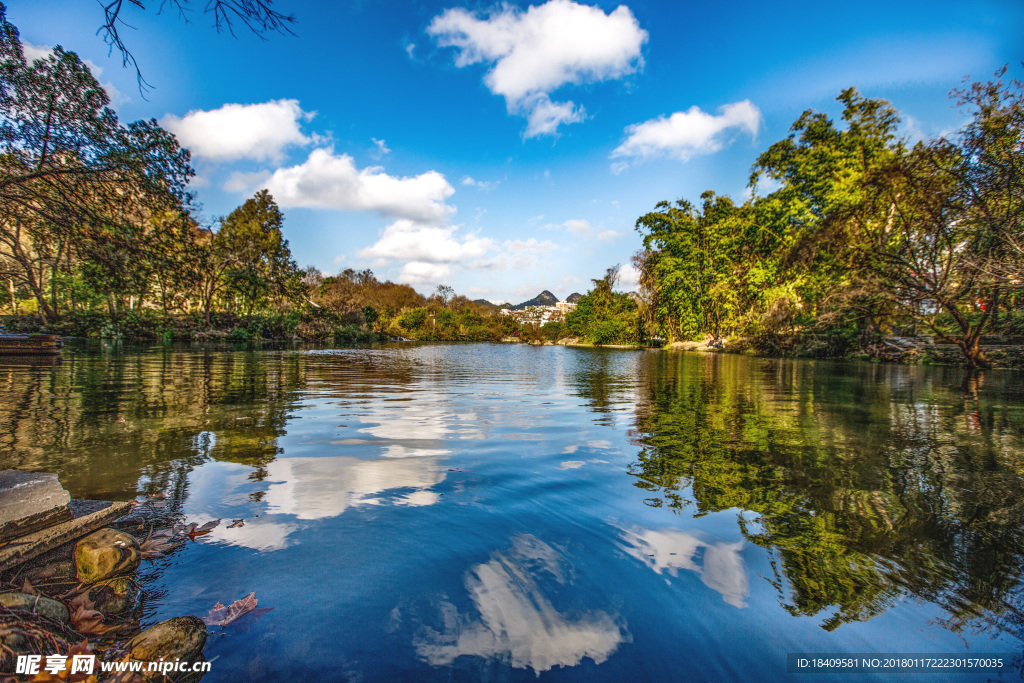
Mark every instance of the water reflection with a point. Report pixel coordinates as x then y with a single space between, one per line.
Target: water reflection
517 620
314 488
719 564
869 483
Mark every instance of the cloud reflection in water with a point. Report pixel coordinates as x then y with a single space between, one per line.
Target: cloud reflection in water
671 550
518 621
315 488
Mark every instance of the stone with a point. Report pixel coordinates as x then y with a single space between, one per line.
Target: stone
178 638
115 596
37 604
30 501
35 544
106 553
60 571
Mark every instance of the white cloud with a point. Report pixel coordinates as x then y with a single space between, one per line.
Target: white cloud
381 148
332 181
684 134
578 226
607 235
420 273
241 131
409 49
406 240
533 53
485 185
629 278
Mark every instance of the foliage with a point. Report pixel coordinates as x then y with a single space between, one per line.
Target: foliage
604 316
863 237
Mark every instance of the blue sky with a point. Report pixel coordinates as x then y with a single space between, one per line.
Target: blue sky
508 148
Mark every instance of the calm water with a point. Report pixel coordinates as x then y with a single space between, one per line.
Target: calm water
490 512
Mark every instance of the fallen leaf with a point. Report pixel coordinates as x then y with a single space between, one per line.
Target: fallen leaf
156 544
85 618
222 616
193 530
28 588
236 523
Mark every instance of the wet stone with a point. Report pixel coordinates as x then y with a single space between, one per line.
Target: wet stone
115 596
37 604
30 501
106 553
177 638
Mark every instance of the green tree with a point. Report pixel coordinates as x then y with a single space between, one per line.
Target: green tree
259 264
72 178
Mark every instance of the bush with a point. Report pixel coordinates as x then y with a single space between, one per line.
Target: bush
352 334
411 319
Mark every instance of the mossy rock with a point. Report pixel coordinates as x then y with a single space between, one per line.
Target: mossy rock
178 638
115 596
105 554
37 604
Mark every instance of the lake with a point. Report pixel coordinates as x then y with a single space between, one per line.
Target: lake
506 512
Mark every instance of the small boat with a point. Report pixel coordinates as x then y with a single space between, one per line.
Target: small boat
30 344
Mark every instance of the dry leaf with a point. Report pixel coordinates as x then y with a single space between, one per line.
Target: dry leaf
222 616
192 530
85 618
236 523
156 544
28 588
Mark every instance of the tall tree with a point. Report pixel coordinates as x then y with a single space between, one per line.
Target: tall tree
258 261
71 176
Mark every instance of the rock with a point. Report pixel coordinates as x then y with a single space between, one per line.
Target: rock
30 501
106 553
177 638
31 546
115 596
37 604
61 571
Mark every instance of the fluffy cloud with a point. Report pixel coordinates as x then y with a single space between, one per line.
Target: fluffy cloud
686 133
533 53
420 273
406 240
332 181
241 131
629 278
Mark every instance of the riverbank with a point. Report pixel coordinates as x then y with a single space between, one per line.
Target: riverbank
1002 352
149 325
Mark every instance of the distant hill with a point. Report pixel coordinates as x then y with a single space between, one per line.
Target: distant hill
574 297
545 298
484 302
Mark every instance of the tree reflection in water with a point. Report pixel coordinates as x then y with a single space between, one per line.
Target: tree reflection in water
869 483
